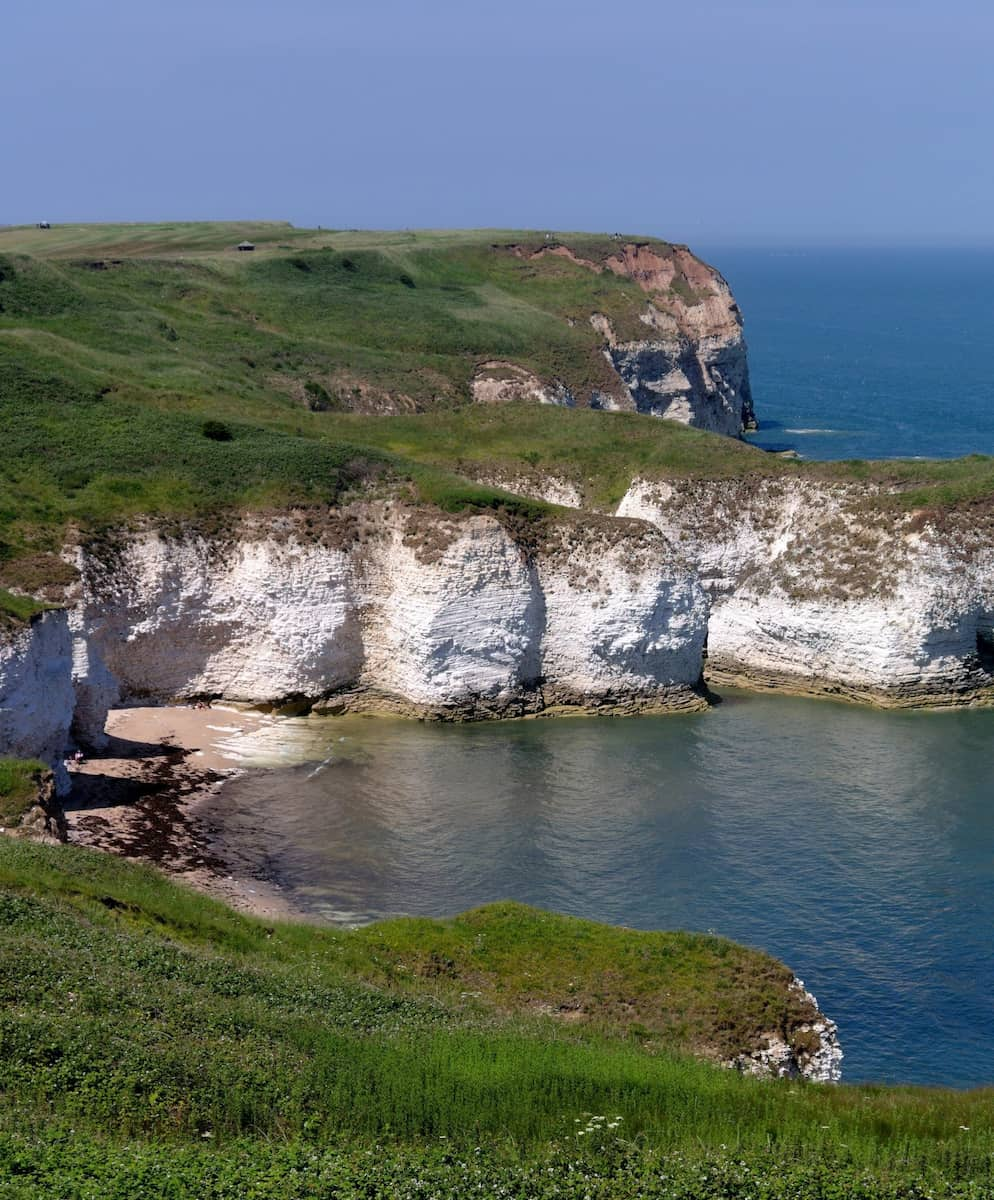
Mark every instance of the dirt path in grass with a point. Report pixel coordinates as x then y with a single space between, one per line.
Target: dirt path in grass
146 798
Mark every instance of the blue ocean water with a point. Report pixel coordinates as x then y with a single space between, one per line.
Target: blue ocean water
856 845
868 353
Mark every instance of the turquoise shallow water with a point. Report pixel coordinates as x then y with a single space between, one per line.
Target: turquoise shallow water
868 353
856 845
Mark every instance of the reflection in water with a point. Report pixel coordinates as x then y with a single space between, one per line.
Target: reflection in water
856 845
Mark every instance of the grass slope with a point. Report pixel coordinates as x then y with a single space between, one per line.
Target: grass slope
118 343
150 1021
19 784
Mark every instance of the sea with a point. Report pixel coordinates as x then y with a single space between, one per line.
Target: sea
862 353
856 845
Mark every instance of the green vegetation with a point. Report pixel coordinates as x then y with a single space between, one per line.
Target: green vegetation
153 1042
18 610
19 782
152 1037
121 346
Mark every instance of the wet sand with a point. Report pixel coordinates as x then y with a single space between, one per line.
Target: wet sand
144 798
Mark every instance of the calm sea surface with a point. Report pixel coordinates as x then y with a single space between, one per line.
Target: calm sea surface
856 845
868 353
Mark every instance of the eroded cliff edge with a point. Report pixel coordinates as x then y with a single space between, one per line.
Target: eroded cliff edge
377 605
824 585
677 352
834 588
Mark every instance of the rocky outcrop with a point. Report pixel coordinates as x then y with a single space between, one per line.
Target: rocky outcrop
826 588
381 606
36 695
691 366
44 820
499 382
810 1051
683 358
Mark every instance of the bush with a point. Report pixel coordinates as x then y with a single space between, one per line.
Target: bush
318 399
217 431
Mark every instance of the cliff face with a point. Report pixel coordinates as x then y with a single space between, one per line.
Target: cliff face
384 607
828 590
687 361
825 588
691 366
792 584
36 696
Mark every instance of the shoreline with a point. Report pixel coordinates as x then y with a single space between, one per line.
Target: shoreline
720 674
144 798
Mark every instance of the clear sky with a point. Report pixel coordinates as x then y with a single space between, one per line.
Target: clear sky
706 121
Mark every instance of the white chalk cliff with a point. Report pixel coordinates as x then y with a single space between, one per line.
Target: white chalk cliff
796 584
823 587
378 606
828 589
36 692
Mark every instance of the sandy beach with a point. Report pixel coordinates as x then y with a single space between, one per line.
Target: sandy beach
144 798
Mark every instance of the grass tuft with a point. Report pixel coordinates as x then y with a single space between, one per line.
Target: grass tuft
20 780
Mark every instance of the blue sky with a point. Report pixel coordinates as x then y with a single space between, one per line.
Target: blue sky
709 122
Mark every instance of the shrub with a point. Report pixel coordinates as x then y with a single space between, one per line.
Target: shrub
318 399
217 431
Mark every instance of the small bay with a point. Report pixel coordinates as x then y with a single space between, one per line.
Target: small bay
855 844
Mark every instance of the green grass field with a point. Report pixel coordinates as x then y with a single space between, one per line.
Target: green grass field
149 1033
118 343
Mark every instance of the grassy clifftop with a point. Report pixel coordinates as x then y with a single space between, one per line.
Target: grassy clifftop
376 321
161 1028
118 344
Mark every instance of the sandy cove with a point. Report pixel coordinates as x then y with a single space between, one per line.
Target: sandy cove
144 798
